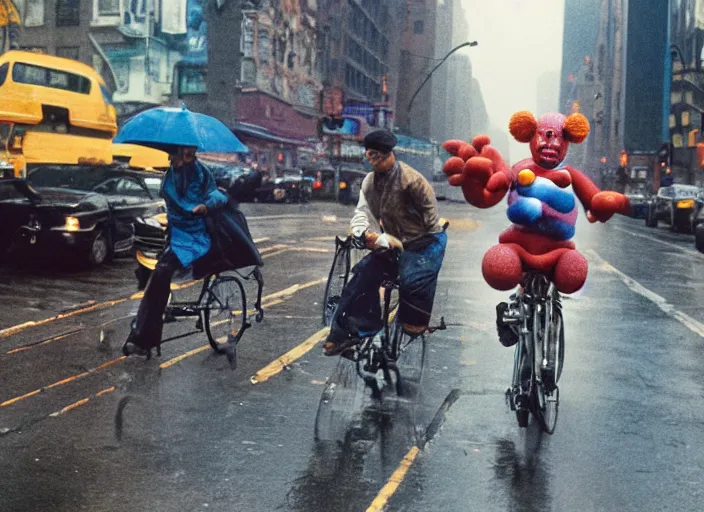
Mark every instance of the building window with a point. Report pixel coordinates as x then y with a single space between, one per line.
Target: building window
68 52
34 13
68 13
106 12
191 81
418 27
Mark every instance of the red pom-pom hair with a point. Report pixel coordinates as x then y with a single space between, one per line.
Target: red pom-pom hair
523 126
576 128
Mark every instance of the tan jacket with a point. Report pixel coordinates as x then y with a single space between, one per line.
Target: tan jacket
401 201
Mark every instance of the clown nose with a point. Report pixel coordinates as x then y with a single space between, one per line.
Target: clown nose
526 177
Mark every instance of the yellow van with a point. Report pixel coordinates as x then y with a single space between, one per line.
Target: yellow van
63 94
53 110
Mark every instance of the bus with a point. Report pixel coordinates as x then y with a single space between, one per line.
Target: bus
53 110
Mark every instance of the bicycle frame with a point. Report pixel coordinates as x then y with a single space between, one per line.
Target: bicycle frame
536 306
195 308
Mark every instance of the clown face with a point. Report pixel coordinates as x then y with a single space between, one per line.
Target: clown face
548 146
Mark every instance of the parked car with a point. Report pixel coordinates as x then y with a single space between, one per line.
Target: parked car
291 187
87 210
698 224
676 206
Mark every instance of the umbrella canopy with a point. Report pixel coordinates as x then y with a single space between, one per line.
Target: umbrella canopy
166 128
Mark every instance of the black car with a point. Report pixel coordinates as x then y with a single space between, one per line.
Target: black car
89 210
291 187
698 224
675 206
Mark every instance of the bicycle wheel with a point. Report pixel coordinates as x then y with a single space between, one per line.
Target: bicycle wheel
225 315
409 354
340 402
337 280
546 394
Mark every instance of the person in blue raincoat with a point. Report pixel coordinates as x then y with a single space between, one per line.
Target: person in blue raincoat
190 192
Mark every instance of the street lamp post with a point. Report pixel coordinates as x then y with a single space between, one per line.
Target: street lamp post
456 48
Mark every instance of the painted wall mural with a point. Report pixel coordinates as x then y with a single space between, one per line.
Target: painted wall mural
279 50
159 37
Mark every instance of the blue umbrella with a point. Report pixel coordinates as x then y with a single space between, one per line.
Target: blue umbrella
165 128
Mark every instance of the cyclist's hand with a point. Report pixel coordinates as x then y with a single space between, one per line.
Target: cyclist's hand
201 209
386 241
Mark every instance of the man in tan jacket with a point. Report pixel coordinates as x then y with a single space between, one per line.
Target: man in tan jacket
401 203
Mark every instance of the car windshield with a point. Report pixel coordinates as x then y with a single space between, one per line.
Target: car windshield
154 185
686 191
76 177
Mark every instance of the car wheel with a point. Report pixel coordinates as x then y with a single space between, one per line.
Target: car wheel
99 249
650 220
699 238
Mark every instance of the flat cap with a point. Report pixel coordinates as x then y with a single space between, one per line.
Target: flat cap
380 140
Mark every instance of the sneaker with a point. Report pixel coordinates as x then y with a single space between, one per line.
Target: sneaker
507 336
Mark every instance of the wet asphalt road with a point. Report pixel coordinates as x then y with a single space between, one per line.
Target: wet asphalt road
198 436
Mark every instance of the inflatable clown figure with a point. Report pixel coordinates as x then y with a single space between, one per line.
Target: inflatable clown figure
542 195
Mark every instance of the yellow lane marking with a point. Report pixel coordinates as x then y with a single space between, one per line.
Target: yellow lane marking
464 224
62 382
310 249
289 357
269 255
270 248
293 289
394 481
180 358
296 249
260 240
50 340
174 287
250 312
81 402
4 333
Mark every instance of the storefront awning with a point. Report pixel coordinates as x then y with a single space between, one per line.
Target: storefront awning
259 132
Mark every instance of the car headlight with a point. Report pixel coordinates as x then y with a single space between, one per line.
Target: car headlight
685 203
72 224
149 222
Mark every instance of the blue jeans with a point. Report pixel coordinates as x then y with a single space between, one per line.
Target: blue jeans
359 312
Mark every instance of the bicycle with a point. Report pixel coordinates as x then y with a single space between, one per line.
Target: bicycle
535 312
221 309
389 361
348 252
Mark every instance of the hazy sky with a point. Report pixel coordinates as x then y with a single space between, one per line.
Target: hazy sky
518 41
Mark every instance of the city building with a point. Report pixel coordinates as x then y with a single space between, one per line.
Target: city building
627 111
581 28
358 44
687 92
452 99
416 62
277 105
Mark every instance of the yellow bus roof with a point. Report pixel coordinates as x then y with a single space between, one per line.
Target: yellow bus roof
51 61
